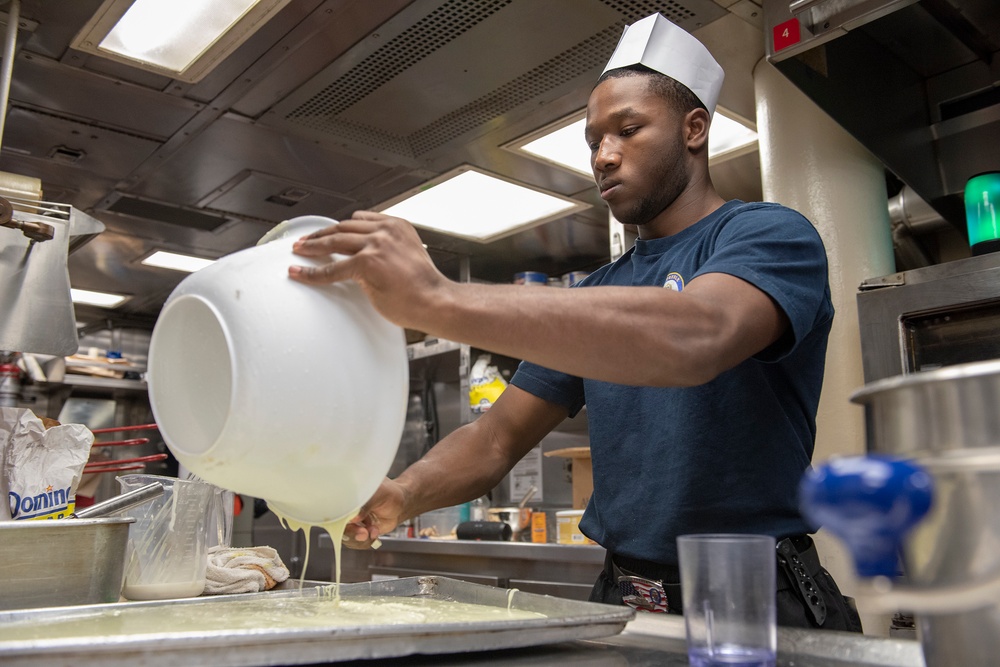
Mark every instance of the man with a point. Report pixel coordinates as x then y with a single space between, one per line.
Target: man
699 353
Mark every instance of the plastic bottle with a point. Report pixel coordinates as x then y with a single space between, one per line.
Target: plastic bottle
477 509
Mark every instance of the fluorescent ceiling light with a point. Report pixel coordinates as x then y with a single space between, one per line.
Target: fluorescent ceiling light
474 205
563 145
729 136
102 299
183 39
177 262
172 33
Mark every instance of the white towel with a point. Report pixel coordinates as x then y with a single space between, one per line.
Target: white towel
243 570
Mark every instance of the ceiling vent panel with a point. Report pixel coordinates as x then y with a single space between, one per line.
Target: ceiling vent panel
267 197
425 80
429 35
159 212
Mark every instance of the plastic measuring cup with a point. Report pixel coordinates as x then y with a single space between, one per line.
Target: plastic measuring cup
167 554
220 521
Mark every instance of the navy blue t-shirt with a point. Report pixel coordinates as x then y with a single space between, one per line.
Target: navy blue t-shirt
725 456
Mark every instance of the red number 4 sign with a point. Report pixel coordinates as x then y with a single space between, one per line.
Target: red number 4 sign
785 34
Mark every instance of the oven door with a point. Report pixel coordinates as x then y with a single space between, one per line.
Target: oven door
930 317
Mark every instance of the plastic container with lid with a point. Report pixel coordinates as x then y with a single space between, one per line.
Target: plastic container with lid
568 522
531 278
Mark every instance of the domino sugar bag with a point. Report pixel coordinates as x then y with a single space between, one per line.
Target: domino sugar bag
41 463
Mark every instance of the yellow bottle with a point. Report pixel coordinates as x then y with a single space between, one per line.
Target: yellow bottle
538 527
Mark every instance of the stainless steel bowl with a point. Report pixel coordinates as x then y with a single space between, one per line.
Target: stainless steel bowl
60 562
518 518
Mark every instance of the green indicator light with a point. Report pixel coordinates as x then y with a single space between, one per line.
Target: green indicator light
982 211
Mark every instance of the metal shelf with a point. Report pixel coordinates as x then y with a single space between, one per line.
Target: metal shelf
93 382
430 348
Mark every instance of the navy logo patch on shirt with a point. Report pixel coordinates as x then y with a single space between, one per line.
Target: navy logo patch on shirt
674 282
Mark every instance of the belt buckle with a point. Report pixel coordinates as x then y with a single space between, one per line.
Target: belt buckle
643 594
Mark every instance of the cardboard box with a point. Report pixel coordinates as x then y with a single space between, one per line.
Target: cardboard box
583 473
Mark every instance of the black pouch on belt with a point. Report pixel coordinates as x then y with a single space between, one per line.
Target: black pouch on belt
808 596
799 578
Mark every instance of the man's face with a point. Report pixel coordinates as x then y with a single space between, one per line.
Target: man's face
637 149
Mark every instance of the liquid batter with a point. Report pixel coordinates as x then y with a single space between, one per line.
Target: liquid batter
259 615
335 529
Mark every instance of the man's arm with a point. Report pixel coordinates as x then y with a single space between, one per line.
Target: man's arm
630 335
464 465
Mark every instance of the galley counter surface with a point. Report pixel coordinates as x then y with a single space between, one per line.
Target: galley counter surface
250 630
657 640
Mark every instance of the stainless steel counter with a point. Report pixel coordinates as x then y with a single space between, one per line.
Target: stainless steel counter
589 555
566 571
653 640
649 640
584 633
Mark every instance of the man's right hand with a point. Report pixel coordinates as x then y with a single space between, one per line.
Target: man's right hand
379 516
385 257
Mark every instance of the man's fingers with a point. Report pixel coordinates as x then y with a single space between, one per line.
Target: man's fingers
331 272
340 241
353 225
356 533
372 216
359 534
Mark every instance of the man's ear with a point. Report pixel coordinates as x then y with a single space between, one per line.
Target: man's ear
696 124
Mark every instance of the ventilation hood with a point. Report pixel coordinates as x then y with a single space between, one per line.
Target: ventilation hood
917 83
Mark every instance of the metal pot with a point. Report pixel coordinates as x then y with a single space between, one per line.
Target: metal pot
518 518
948 412
62 562
948 421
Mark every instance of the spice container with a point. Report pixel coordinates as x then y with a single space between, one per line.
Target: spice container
568 522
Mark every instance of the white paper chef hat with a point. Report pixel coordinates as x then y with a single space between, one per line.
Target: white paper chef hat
669 49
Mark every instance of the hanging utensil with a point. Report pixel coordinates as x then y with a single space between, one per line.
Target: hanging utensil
118 429
101 466
122 443
528 495
120 502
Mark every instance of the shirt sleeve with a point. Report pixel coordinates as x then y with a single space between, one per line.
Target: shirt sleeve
553 386
780 252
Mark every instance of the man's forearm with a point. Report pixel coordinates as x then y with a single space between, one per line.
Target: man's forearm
628 335
460 468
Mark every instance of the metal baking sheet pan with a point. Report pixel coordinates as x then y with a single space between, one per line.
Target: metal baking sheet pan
38 637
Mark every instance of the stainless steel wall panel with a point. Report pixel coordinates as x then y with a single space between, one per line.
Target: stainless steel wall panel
104 153
101 100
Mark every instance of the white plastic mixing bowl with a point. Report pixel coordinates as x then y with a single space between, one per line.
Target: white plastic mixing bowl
276 389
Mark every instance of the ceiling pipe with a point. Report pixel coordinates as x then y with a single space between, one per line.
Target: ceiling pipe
910 217
9 44
919 217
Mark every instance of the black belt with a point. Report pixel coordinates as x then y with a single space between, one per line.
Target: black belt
643 588
651 586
